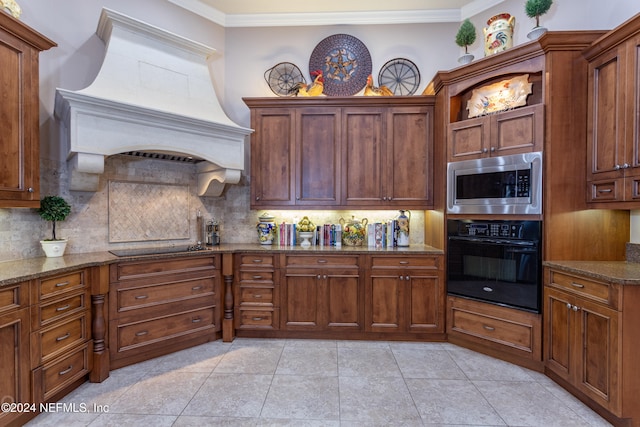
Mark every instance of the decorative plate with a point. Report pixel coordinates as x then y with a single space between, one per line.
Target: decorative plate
500 96
401 76
345 63
283 78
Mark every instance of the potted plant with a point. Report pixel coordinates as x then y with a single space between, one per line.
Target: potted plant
466 36
54 208
535 9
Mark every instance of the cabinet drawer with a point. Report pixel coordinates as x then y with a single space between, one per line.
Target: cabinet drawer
138 334
255 295
51 341
494 329
58 285
598 291
14 297
432 262
152 295
45 314
257 319
256 276
58 374
159 270
321 261
606 191
256 260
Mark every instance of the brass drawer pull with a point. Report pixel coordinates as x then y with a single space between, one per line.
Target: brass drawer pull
63 308
66 371
404 262
196 320
257 261
577 285
61 284
141 333
257 295
322 261
196 288
64 337
489 328
256 318
608 190
142 297
257 277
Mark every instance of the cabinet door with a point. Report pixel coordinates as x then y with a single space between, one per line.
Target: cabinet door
425 302
14 361
343 300
517 131
384 302
409 163
19 143
558 325
362 156
598 350
606 122
318 157
632 128
272 157
468 139
300 298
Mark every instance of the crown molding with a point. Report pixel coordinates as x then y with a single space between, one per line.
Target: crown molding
335 18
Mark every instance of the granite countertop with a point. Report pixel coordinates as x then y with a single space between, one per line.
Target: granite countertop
621 272
32 268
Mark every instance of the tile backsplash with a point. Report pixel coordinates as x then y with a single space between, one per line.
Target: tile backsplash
153 208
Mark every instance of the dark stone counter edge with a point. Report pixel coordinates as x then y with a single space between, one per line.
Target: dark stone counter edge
620 272
17 271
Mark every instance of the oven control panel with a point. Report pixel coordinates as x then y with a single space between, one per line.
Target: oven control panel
505 229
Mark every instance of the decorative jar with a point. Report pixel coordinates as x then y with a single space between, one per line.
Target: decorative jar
498 36
354 231
266 229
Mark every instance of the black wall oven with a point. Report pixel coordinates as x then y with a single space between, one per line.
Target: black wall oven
496 261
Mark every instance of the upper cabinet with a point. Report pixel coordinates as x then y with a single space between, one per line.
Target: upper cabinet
19 111
613 154
332 152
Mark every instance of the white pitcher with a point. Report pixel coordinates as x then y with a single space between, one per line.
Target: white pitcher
498 36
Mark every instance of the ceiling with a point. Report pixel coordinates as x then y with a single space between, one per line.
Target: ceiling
262 13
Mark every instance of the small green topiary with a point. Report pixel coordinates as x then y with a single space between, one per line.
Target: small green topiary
536 8
54 208
466 35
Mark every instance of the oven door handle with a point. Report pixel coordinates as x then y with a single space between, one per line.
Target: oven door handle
494 241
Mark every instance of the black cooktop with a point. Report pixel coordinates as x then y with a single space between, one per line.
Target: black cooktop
156 250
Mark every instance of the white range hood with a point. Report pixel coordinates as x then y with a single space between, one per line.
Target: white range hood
153 94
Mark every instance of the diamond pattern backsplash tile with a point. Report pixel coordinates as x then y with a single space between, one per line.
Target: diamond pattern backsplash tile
142 211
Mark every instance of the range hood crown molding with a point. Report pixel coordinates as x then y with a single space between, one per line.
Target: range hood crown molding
153 93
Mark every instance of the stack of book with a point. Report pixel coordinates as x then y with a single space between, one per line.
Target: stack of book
382 234
329 235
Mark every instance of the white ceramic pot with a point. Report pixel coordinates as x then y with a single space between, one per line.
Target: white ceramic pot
536 32
54 248
465 59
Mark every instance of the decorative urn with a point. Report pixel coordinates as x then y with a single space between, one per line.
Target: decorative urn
354 231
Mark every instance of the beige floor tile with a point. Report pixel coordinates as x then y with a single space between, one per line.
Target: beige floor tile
248 359
302 397
203 358
362 361
120 420
477 366
421 363
230 395
312 360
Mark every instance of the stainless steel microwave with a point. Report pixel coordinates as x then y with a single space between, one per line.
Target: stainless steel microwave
496 185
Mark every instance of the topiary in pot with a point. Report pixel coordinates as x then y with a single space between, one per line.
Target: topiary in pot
54 208
465 37
535 9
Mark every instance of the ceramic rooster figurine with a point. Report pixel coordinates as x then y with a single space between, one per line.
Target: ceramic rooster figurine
312 89
371 90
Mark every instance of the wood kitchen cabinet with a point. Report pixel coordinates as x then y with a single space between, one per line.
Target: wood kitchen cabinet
257 294
510 132
15 384
405 294
19 110
160 306
341 152
613 156
590 344
321 293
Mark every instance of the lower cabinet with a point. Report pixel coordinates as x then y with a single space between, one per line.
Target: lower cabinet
405 294
15 384
321 293
160 306
257 293
592 342
506 333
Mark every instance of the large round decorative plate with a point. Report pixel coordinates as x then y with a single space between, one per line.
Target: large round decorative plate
400 75
345 63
